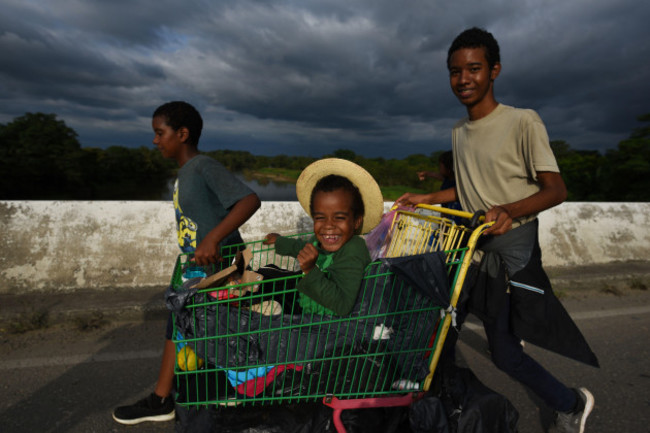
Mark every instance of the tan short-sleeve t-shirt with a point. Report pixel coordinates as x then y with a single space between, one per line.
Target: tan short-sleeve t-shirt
497 158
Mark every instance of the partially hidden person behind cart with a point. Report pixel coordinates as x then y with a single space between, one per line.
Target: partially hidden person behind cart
447 177
344 201
210 204
504 165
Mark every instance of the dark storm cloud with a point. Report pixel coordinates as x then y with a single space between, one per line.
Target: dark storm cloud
583 65
308 77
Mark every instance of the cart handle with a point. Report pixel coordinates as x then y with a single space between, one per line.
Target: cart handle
477 218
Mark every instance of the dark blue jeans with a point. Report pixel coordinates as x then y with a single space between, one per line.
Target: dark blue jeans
508 355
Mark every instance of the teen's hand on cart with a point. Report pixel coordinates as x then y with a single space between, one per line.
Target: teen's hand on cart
307 258
270 238
502 221
410 199
207 253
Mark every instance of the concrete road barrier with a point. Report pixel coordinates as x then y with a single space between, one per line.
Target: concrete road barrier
68 245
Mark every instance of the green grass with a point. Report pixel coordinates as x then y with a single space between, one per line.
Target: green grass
90 321
638 284
29 320
611 289
392 193
283 174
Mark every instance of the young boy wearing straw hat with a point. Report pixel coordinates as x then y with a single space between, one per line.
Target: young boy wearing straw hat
344 201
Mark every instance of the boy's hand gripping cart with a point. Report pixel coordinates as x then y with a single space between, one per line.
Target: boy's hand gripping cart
245 342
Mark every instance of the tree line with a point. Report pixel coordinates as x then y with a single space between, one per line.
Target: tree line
41 159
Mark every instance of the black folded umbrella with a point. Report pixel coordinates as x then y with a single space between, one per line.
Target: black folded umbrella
427 273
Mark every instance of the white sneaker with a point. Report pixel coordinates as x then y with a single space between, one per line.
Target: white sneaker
574 422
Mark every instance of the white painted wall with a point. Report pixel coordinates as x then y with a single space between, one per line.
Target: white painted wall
591 233
67 245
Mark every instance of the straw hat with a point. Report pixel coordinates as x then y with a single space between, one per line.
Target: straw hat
373 202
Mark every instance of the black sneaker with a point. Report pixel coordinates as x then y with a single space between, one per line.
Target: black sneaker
574 422
151 408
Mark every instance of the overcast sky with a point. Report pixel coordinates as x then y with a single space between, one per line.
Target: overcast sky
308 77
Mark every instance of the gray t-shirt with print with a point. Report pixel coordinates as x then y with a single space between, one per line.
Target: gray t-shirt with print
203 195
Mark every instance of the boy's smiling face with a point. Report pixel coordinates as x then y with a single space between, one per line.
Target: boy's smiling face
334 222
471 80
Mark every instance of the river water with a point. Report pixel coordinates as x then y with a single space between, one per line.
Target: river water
271 191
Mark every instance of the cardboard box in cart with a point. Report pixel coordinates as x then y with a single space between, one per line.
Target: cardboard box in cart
236 274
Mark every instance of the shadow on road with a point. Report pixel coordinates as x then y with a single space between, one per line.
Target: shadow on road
81 398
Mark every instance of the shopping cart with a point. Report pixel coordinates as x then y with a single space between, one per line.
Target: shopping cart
246 343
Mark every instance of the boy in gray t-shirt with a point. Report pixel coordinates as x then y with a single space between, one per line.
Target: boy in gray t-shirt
210 205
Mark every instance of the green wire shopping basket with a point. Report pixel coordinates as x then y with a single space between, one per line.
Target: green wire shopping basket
245 341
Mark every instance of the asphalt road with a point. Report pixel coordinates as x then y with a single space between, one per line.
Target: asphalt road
62 379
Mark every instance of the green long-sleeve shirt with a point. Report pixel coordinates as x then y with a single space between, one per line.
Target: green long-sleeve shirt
333 285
